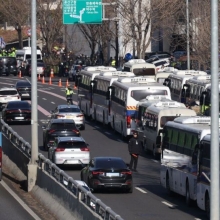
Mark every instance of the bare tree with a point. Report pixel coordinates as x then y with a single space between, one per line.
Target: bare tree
50 23
16 13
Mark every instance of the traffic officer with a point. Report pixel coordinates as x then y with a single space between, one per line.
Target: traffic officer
134 148
69 94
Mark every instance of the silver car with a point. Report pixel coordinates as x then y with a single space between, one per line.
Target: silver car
70 112
69 151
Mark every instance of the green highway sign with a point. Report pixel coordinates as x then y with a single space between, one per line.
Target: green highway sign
82 11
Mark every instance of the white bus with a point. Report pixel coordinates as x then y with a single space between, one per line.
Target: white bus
203 173
161 75
178 171
176 81
193 88
126 93
154 117
140 68
101 107
85 84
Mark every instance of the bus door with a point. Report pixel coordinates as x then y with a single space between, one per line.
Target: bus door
185 93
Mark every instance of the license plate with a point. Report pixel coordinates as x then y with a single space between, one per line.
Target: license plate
7 98
112 174
70 117
25 94
19 117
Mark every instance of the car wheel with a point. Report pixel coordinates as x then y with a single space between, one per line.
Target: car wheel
168 185
188 199
207 205
131 189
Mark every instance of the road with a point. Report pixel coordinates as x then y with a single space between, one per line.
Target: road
11 207
149 201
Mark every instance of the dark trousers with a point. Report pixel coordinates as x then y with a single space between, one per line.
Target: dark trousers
134 161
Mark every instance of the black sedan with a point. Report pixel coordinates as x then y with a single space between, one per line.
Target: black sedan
107 173
24 89
59 128
17 111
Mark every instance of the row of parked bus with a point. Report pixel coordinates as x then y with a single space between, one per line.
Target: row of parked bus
166 127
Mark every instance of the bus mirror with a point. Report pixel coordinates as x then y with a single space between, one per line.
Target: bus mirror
167 82
186 90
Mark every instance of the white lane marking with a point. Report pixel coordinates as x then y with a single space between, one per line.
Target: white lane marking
44 111
107 133
168 204
44 98
141 190
198 219
155 161
24 205
53 103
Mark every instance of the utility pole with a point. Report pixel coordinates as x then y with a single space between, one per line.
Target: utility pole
32 166
187 34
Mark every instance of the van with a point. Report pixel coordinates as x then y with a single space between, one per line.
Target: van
25 54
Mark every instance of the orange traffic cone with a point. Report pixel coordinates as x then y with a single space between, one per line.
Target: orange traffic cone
67 83
60 83
19 75
38 77
43 80
50 81
51 73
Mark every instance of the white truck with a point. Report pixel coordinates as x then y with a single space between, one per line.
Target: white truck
25 54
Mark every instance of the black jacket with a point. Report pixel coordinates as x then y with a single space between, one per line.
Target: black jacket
134 146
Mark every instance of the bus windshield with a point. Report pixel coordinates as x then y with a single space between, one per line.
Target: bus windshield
144 71
142 94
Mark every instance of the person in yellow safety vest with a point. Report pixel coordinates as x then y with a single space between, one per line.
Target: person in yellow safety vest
113 63
69 94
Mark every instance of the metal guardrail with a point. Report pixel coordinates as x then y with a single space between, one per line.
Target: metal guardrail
85 196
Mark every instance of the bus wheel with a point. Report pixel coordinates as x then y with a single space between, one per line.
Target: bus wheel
168 185
188 199
207 205
103 119
155 154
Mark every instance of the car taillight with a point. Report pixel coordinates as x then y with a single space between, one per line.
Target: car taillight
0 156
60 116
76 131
128 121
51 131
84 149
60 149
79 116
27 111
126 172
97 172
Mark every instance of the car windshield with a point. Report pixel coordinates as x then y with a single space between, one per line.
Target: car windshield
8 92
72 144
23 84
63 110
108 164
18 105
63 126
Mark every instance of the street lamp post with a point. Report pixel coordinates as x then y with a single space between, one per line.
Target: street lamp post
187 34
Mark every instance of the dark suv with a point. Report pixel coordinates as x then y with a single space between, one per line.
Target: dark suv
59 128
8 65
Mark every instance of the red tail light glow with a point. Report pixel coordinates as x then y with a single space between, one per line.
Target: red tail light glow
51 131
128 121
97 172
60 149
76 131
126 172
80 116
84 149
60 116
